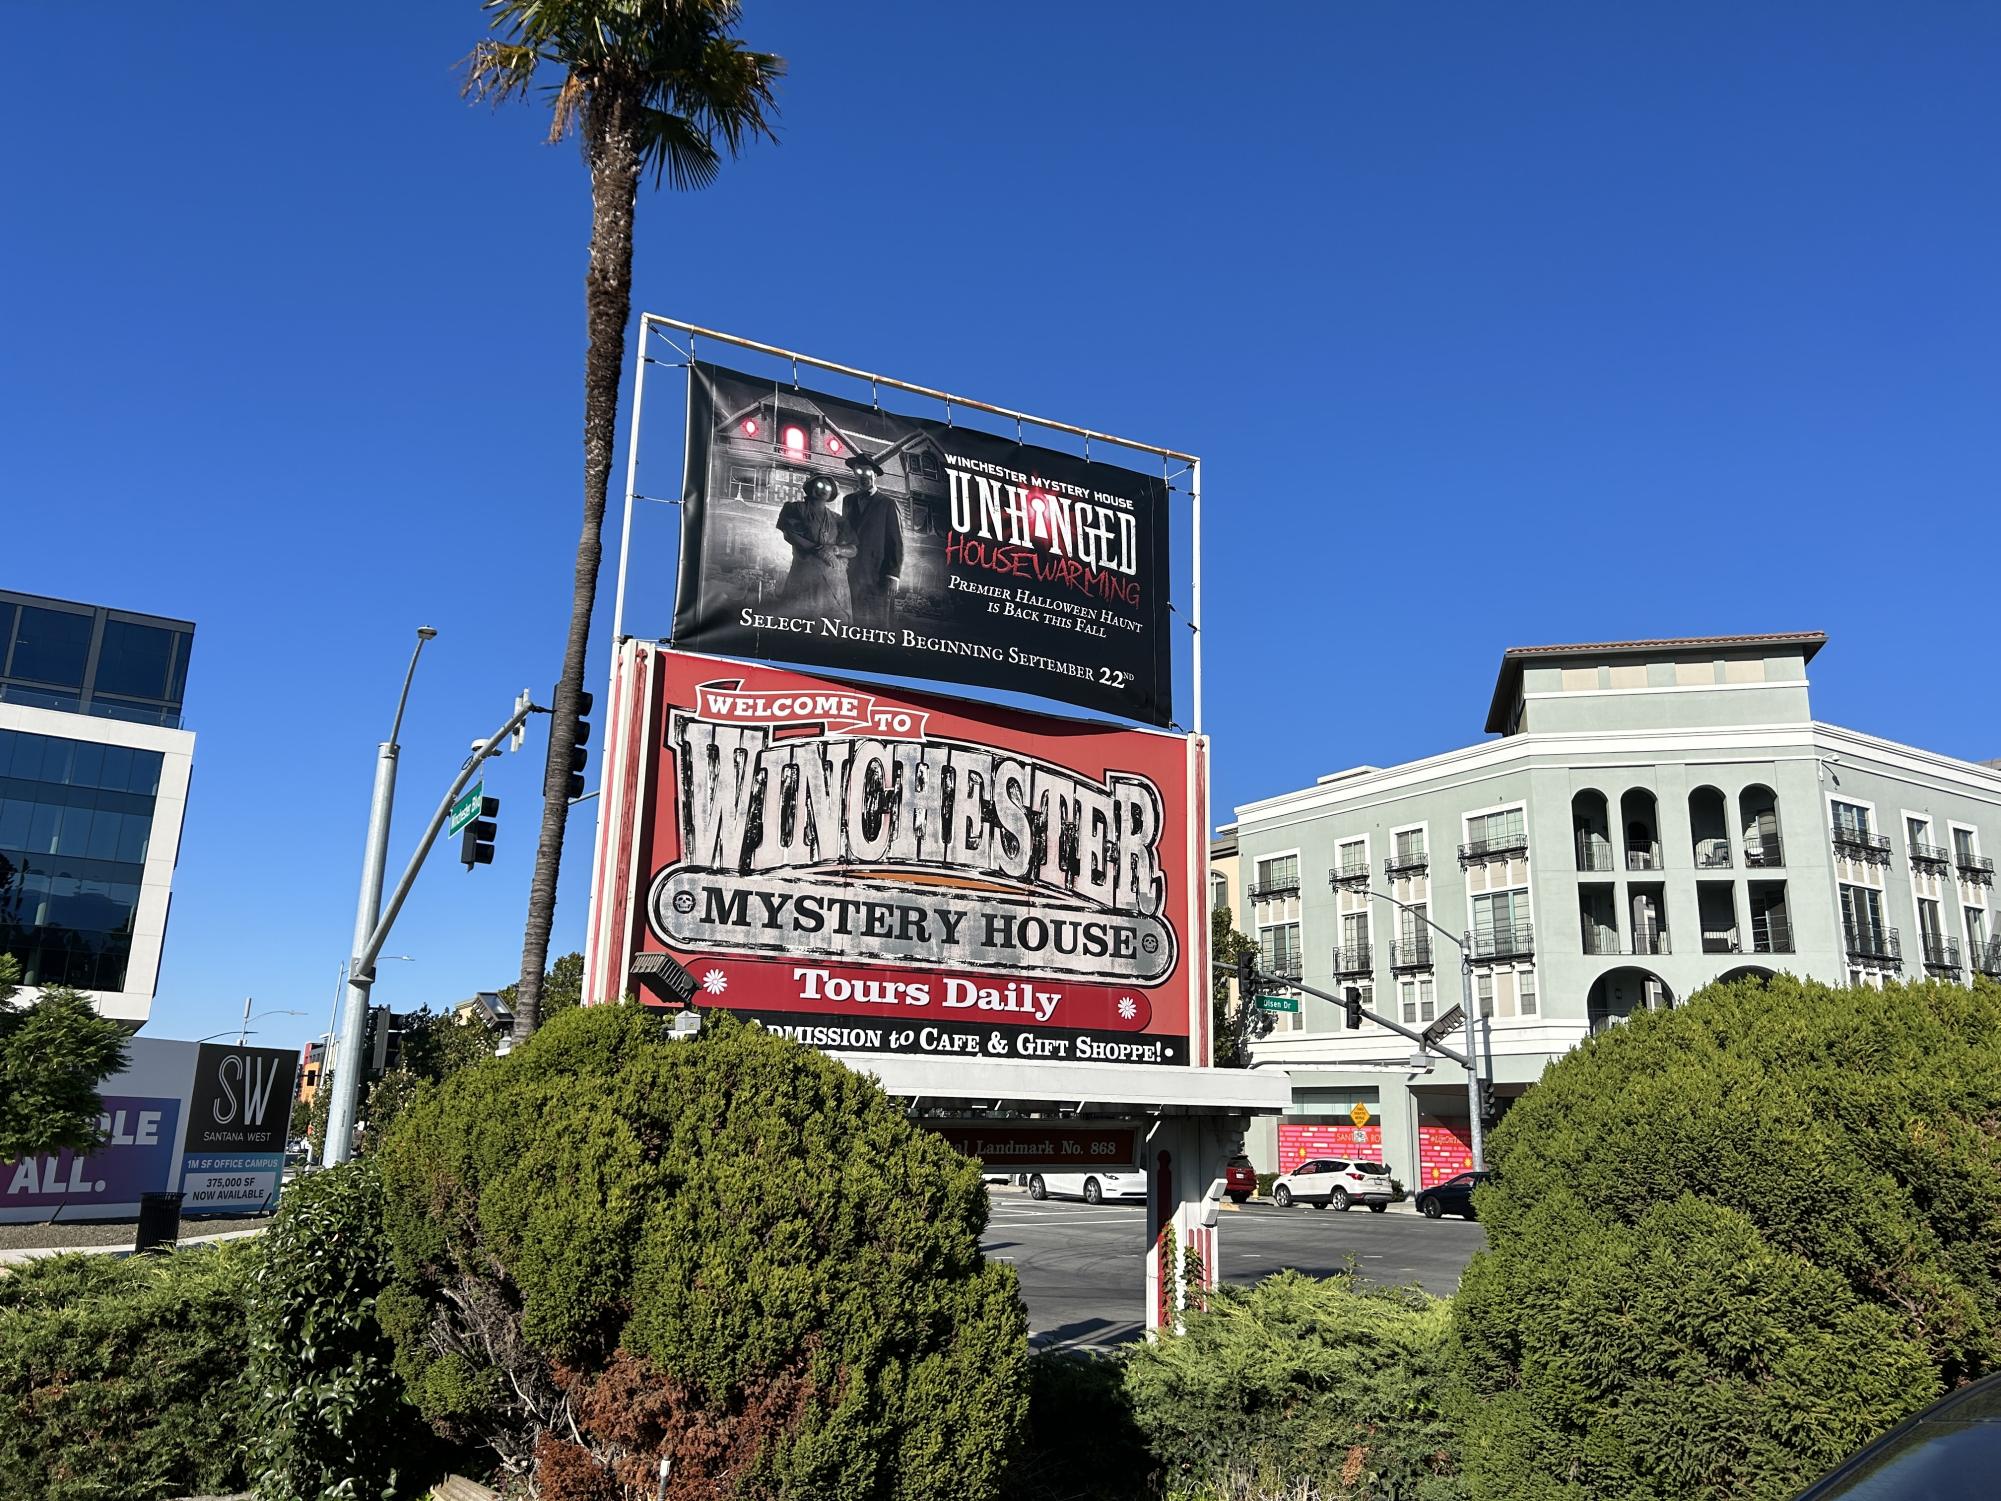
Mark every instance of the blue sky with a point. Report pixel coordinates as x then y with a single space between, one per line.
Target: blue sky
1495 325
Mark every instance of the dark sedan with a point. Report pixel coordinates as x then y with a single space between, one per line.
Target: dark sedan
1949 1452
1453 1196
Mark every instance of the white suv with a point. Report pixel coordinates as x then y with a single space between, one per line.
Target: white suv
1335 1183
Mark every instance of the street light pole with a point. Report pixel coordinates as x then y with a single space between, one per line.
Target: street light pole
375 859
1466 1006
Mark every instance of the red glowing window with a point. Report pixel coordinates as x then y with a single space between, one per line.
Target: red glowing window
835 445
748 427
795 440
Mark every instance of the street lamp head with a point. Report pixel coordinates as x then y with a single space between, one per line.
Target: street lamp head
426 632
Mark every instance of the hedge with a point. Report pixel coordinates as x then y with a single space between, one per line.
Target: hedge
123 1377
733 1251
1731 1242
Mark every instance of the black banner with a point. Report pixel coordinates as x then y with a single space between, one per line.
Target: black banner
242 1099
825 531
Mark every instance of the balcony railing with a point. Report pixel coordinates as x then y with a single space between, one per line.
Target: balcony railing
1769 855
1930 854
1501 943
1713 854
1410 953
1501 848
1266 891
1774 935
1406 865
1353 959
1352 872
1721 941
1284 968
1987 957
1976 868
1605 941
1861 844
1593 854
1874 943
1646 857
1941 952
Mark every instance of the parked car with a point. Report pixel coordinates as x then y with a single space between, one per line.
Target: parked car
1240 1179
1092 1188
1453 1196
1335 1183
1945 1453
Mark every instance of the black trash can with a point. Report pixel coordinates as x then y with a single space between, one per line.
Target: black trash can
159 1222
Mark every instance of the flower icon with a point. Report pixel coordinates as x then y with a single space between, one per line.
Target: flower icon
1128 1008
715 982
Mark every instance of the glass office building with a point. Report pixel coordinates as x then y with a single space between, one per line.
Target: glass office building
94 767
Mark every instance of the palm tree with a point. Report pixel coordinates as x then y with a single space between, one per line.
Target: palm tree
646 84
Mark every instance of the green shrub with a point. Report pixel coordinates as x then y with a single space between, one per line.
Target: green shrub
123 1377
1302 1380
330 1418
1265 1181
1731 1242
732 1251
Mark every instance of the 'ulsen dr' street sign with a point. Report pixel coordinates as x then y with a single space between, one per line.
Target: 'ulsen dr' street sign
466 809
1279 1002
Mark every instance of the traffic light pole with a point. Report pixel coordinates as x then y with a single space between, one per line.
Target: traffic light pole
368 943
1473 1121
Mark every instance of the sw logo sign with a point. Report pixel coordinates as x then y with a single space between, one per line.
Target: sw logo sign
242 1099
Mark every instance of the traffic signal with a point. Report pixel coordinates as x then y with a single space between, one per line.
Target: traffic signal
476 843
1489 1109
579 757
1247 975
1351 1002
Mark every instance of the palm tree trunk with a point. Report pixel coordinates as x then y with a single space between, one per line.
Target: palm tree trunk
614 162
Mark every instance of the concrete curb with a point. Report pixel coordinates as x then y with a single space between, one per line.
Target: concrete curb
25 1254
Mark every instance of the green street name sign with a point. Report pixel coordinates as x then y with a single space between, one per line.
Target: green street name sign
1279 1002
466 809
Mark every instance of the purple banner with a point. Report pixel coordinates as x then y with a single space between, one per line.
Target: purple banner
137 1158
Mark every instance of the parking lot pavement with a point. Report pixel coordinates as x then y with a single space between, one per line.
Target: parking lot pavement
1080 1266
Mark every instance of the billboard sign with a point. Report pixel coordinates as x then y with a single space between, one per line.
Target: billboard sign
894 872
830 532
141 1133
241 1108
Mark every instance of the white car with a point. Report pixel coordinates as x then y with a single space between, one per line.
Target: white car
1092 1188
1335 1183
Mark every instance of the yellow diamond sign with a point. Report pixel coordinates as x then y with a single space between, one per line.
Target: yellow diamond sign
1360 1114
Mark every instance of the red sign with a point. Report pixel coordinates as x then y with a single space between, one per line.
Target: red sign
1031 1145
1298 1143
880 871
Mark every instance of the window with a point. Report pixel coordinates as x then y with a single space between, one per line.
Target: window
1850 818
75 822
1278 874
1351 858
1525 991
1976 928
1415 921
50 646
1862 918
1219 892
1354 930
1962 846
743 483
1499 912
1483 991
1410 846
1930 923
134 660
1918 831
1417 1000
1497 829
1279 948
